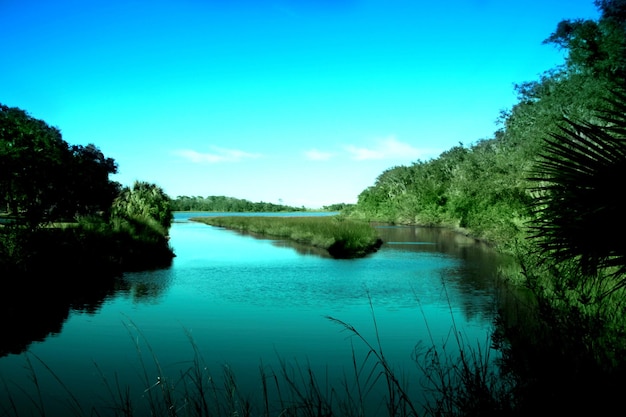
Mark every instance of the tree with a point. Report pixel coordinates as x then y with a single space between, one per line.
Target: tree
31 156
596 47
89 189
144 201
42 178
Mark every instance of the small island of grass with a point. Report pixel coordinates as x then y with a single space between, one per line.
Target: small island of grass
342 238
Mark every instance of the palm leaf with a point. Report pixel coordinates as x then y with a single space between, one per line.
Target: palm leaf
581 175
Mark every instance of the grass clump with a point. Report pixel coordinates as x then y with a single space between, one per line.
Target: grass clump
342 238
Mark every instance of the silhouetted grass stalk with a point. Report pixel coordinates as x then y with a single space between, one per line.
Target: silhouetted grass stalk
464 384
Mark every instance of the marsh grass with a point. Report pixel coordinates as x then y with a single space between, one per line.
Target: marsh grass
342 238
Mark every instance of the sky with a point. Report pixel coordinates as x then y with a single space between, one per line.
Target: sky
295 102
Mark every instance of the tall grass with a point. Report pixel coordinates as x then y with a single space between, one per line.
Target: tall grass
342 238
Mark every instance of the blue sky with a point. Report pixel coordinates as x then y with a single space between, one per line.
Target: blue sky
299 102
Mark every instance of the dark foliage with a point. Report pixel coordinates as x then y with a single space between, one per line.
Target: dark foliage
56 202
43 179
579 211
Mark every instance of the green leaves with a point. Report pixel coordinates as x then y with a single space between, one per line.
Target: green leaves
595 47
146 202
43 179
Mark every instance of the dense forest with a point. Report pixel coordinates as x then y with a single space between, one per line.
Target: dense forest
60 211
546 190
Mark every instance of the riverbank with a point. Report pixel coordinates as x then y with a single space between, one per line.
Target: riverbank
342 238
79 249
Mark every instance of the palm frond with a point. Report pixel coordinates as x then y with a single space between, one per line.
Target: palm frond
580 180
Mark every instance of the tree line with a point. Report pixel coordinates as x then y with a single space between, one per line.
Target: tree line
227 204
238 205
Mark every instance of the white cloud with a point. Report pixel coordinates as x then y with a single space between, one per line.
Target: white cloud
316 155
388 148
361 154
219 155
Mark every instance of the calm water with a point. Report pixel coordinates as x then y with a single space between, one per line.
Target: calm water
247 302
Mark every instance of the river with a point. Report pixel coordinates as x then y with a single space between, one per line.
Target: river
247 304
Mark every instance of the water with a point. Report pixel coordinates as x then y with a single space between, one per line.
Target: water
246 302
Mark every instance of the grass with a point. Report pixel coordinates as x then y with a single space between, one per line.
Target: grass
342 238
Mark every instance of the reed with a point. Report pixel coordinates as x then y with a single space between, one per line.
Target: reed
342 238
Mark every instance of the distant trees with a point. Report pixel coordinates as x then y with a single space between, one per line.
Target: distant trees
337 207
227 204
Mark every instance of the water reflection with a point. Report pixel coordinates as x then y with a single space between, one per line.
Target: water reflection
480 261
147 286
33 309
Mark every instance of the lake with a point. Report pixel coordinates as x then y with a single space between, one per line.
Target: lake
246 304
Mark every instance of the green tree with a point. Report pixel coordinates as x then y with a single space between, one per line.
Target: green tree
42 178
88 188
595 47
147 202
31 157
